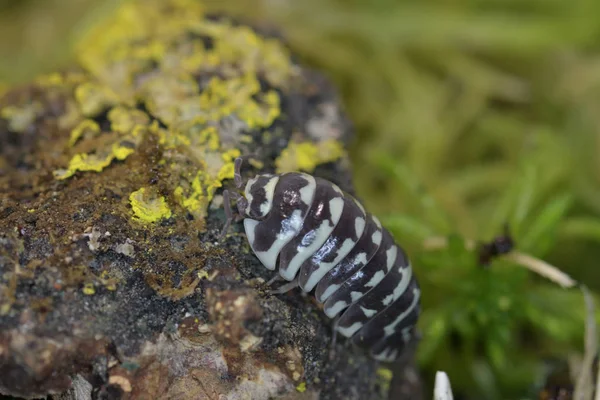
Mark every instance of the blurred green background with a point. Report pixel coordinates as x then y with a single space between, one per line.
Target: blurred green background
469 114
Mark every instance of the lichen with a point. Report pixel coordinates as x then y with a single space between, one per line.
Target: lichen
94 162
385 376
147 206
89 289
93 98
142 70
87 126
306 156
125 120
21 117
121 147
301 387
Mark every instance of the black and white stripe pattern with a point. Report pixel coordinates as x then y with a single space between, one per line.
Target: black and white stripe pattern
322 237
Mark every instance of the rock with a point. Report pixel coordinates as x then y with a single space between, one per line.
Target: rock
113 283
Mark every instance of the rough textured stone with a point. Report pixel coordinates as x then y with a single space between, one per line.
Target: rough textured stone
112 281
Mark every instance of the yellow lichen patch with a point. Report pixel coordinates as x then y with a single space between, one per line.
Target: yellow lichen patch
109 282
305 156
385 375
121 147
172 139
224 97
301 387
133 22
241 47
148 206
208 82
124 120
86 126
20 118
71 117
94 162
59 80
226 170
89 289
93 98
195 196
172 98
209 137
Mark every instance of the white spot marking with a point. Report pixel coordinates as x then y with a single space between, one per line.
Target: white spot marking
368 313
402 285
307 192
359 226
376 238
325 267
337 189
377 222
249 227
248 194
320 235
391 255
265 207
379 275
388 299
361 258
328 292
335 309
389 329
351 330
355 296
289 229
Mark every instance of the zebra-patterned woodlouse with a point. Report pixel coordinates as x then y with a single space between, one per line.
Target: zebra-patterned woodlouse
321 238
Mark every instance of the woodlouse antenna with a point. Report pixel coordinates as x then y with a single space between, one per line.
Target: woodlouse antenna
228 196
230 216
237 172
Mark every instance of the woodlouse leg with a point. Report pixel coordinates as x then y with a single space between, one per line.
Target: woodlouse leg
274 279
228 213
286 287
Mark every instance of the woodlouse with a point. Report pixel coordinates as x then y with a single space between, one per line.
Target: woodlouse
322 239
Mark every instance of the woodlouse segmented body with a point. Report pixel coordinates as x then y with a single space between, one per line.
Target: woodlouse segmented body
322 238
